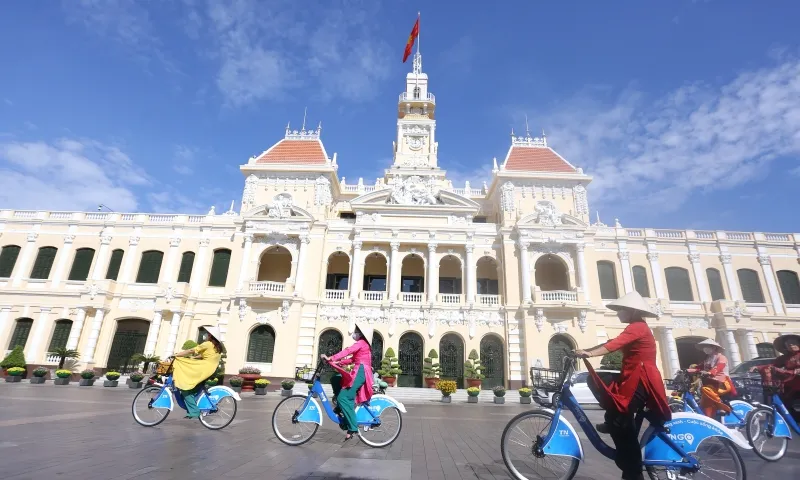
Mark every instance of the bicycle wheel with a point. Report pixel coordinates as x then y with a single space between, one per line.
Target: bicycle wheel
765 445
385 433
143 412
719 459
522 436
221 416
290 431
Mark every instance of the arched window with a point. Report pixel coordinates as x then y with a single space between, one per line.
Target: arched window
417 92
261 345
790 286
640 281
43 264
715 284
8 257
81 264
608 280
751 286
21 331
377 351
60 334
679 287
150 267
114 264
557 348
219 268
765 349
185 271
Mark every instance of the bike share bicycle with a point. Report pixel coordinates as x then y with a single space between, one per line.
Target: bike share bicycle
771 422
217 404
675 451
683 399
379 420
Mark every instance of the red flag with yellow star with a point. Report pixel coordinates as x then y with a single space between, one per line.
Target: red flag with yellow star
411 39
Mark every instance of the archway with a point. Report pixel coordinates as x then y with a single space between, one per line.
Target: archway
451 358
688 353
129 339
377 351
412 276
338 275
275 265
557 348
551 273
410 359
486 273
493 362
450 277
374 273
330 343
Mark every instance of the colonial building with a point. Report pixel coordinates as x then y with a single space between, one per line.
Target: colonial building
512 268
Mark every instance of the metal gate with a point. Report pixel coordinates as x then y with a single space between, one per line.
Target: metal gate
557 349
493 362
377 351
129 339
330 343
410 359
451 358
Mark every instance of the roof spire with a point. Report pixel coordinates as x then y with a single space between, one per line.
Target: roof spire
527 130
305 111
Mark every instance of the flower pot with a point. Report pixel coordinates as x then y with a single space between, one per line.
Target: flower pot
236 389
135 385
261 391
110 383
525 400
499 400
431 382
86 382
286 393
390 380
249 381
37 380
471 399
473 382
61 381
13 378
447 399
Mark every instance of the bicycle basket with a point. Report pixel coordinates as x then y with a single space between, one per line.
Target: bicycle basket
163 368
304 374
545 379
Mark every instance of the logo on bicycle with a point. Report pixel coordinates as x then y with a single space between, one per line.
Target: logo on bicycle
680 437
323 397
563 433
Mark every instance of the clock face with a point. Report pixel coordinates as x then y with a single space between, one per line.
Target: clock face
415 143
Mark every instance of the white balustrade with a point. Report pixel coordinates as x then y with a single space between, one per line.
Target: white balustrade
52 359
267 287
24 214
635 233
777 237
738 236
489 300
411 297
96 216
162 218
373 296
61 215
705 235
450 298
128 217
196 218
670 234
559 296
406 97
335 294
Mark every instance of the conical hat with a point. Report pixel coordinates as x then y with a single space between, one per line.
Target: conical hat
214 332
632 301
779 343
710 343
366 330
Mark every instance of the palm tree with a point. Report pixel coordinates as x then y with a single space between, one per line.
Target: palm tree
63 354
147 359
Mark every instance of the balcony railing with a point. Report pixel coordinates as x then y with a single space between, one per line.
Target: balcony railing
52 359
405 97
450 298
489 300
369 296
559 296
335 294
267 287
411 297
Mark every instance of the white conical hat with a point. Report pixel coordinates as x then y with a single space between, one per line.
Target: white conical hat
214 332
366 330
710 343
632 301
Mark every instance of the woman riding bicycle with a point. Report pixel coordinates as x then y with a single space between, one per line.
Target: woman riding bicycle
639 384
787 370
356 385
190 373
717 383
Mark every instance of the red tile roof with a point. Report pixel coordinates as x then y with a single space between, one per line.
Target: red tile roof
536 159
295 151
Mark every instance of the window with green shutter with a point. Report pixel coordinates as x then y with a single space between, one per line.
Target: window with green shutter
81 264
640 282
8 258
608 280
114 264
715 284
261 345
44 263
219 268
185 272
60 334
21 332
679 287
751 285
790 286
150 267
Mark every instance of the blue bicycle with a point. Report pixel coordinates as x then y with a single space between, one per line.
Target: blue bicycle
770 423
542 443
683 400
297 418
152 404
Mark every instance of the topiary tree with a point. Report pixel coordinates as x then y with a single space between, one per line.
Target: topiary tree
146 359
431 368
188 344
389 365
63 354
473 367
612 361
15 358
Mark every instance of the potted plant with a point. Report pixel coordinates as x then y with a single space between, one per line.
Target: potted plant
472 370
38 375
15 358
430 369
499 394
261 386
87 378
390 369
146 359
212 382
14 374
472 394
135 380
525 396
250 375
63 354
236 383
112 379
447 387
286 388
62 377
188 344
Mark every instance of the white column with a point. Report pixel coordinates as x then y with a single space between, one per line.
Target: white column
730 277
174 326
169 272
625 265
200 267
23 267
775 297
101 264
394 271
432 282
130 258
32 351
655 268
525 271
733 348
248 246
94 334
356 269
4 314
584 280
152 334
470 274
77 328
699 278
748 343
301 265
64 254
671 351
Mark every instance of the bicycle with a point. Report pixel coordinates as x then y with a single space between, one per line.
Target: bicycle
159 398
381 414
771 422
670 451
683 400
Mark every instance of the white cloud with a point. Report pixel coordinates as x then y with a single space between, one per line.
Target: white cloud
184 159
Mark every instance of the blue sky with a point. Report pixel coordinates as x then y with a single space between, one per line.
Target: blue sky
687 113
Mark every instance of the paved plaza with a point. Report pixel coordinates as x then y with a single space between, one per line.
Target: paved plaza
49 432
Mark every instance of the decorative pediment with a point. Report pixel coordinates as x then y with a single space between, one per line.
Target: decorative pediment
282 207
547 215
386 199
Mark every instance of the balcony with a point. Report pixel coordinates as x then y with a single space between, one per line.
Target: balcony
411 297
371 296
555 297
336 295
488 300
266 288
52 359
429 98
450 298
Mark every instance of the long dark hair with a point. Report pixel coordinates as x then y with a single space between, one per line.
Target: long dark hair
218 346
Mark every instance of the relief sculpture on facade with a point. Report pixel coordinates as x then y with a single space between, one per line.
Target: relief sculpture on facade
414 190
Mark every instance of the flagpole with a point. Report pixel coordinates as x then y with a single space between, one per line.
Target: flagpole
418 31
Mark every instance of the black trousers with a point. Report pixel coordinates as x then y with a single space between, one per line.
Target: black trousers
626 437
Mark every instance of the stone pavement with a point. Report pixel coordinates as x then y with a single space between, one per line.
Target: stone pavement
49 432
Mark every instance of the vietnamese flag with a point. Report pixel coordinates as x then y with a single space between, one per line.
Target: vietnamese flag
411 39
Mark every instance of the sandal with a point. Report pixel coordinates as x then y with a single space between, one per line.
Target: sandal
349 436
